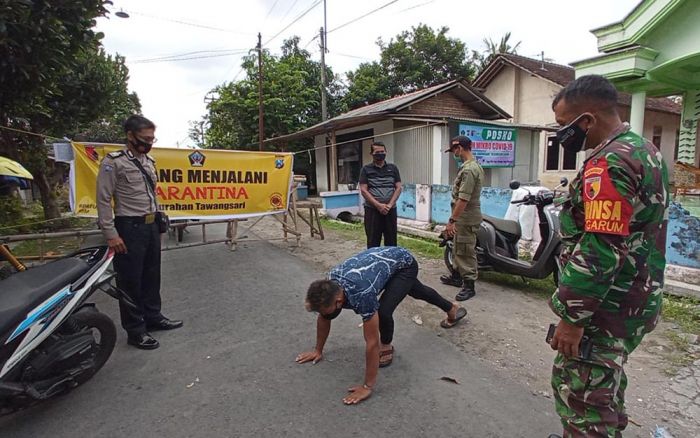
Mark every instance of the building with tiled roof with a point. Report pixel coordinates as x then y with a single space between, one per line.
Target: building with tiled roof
524 87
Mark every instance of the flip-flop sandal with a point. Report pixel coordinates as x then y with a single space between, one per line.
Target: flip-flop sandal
447 324
383 354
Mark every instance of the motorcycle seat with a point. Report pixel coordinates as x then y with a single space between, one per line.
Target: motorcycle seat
23 291
505 226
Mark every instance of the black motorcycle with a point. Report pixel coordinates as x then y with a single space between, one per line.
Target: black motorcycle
497 240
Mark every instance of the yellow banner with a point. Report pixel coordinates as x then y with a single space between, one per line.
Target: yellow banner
196 184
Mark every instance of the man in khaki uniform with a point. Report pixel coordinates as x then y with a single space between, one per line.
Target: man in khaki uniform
128 177
465 218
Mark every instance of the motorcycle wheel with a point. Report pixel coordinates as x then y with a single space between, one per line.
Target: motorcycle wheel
102 326
448 256
88 319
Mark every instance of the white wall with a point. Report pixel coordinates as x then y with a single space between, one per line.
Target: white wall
501 90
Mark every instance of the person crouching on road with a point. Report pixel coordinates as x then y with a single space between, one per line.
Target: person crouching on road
356 284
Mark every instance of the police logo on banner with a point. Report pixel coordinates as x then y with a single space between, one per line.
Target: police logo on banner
196 159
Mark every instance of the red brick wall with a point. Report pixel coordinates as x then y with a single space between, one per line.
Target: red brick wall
443 105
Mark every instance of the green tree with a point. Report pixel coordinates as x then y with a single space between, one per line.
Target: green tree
54 79
111 99
291 99
414 59
493 49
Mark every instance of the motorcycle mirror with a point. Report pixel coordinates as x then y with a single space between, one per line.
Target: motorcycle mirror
564 181
514 185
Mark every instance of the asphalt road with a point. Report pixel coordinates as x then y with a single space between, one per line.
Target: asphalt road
230 371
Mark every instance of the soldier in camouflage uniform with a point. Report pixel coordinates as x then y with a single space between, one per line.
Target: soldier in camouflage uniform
465 218
613 230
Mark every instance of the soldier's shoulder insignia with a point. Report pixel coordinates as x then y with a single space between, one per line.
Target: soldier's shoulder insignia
606 210
115 154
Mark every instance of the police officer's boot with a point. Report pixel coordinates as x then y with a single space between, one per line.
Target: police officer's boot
452 280
467 291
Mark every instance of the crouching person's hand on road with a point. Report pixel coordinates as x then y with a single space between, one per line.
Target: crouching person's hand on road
310 356
357 394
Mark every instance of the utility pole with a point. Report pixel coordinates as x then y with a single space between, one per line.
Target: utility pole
261 129
324 104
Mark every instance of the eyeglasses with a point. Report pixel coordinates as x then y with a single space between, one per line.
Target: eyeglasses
149 140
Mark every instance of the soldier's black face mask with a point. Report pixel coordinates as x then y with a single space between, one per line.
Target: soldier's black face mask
572 137
379 157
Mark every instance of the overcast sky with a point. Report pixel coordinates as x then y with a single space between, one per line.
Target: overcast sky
172 93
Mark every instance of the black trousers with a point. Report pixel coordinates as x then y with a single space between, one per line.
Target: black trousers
404 282
138 273
378 225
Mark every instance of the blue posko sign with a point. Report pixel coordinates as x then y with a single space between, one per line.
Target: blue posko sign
492 146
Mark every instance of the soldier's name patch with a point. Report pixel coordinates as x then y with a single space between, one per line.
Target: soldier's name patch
606 210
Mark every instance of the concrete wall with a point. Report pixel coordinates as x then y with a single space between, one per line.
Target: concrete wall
678 35
501 90
535 101
406 205
683 238
494 202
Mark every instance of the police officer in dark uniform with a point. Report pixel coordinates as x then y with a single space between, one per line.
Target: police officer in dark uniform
128 178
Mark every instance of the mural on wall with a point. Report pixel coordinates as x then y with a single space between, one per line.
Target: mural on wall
683 238
491 145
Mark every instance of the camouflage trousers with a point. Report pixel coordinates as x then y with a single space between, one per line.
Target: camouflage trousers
590 396
465 251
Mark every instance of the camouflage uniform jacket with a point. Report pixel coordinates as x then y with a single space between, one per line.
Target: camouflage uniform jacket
467 187
613 229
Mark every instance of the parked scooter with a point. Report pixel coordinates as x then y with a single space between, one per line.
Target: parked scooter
497 240
51 339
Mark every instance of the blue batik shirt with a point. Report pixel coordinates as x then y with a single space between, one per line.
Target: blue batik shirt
364 275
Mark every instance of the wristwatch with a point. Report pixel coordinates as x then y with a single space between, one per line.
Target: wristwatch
452 220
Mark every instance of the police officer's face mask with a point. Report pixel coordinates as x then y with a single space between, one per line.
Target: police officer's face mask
142 145
572 137
379 157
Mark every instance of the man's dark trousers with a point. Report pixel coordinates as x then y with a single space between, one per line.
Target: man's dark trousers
138 273
378 225
405 282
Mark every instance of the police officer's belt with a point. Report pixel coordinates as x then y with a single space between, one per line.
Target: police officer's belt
146 219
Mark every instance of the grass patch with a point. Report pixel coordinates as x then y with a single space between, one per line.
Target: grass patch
46 246
682 311
681 356
423 247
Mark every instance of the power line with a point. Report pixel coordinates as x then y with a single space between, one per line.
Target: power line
177 55
270 11
351 56
189 23
289 10
417 6
303 14
363 16
152 61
